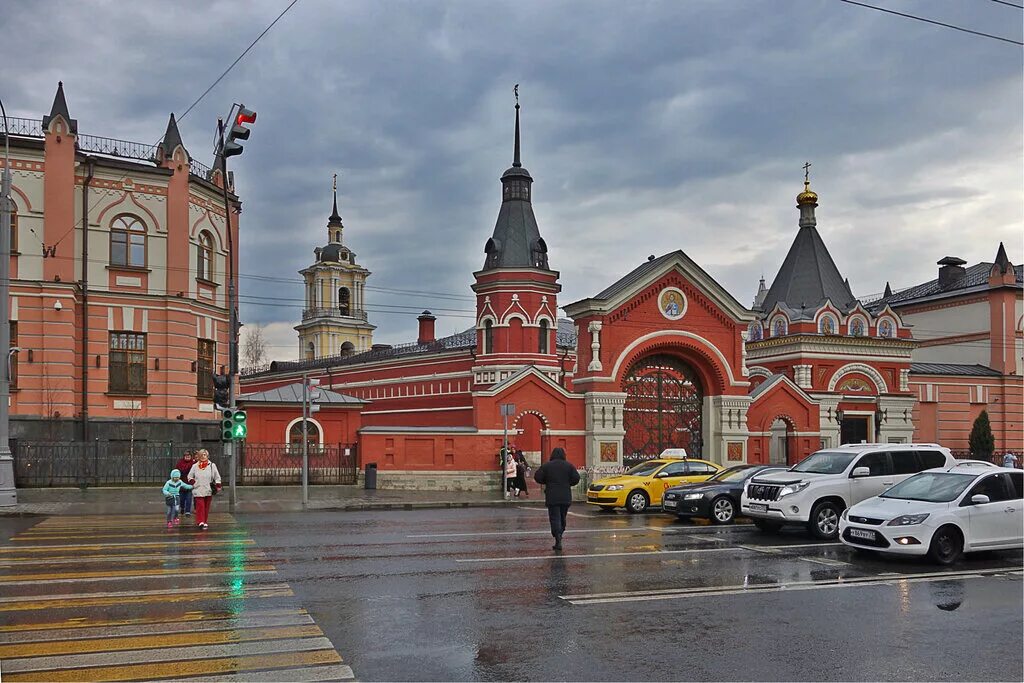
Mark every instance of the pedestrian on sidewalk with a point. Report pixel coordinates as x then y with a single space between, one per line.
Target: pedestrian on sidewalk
185 465
173 489
205 480
510 473
521 468
557 476
1009 460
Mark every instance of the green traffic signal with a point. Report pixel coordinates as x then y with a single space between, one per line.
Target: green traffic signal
238 426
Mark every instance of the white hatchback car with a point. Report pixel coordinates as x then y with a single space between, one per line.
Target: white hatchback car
943 513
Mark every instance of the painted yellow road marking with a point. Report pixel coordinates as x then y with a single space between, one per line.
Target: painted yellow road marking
140 573
68 647
193 541
87 622
130 672
63 603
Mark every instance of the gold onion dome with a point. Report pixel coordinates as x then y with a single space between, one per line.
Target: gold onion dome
808 196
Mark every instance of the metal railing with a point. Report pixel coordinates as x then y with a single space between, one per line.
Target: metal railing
99 463
199 169
30 128
333 313
125 149
282 464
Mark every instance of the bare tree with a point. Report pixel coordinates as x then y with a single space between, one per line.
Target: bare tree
254 348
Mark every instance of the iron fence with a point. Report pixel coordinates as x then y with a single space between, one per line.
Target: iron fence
282 464
99 463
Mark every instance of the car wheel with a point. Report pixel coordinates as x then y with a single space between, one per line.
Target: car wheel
824 522
946 547
637 501
723 510
766 525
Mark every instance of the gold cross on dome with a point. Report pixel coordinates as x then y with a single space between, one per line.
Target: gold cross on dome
807 172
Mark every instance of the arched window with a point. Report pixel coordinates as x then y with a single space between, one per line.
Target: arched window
542 346
310 351
337 236
312 435
344 300
128 242
348 348
204 256
488 337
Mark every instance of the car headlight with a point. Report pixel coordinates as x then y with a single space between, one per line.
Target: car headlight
615 487
907 520
846 514
693 496
790 489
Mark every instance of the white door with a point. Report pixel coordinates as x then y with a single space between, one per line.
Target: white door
989 523
1014 508
881 477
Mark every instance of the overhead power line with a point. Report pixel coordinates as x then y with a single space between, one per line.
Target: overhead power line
932 21
1009 4
244 53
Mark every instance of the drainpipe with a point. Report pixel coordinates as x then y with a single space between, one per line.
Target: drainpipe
90 161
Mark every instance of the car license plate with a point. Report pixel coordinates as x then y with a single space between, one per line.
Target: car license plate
671 503
866 534
758 507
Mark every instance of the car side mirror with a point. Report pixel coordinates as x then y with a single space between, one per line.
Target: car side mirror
979 499
861 472
661 475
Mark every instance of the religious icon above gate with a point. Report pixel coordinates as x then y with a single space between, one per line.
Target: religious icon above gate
672 303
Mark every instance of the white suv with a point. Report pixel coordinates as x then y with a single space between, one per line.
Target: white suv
817 490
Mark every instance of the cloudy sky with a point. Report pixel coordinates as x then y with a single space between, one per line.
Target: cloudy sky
648 127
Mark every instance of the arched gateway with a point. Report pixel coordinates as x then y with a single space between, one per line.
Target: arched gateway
663 409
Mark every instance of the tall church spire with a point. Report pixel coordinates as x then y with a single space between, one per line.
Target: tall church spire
335 218
516 242
516 163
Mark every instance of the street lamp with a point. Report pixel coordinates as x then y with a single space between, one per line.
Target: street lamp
8 493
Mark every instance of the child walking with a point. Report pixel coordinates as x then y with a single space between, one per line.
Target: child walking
173 490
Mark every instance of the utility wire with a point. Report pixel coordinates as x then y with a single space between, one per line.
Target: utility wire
932 21
1008 4
251 45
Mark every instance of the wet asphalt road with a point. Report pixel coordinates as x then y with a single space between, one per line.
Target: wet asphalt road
478 594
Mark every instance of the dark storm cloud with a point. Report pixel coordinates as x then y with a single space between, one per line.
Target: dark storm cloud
647 126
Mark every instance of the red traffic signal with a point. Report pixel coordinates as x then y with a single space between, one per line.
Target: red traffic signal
238 131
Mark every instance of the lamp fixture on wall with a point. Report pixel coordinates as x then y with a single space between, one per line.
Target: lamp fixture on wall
839 417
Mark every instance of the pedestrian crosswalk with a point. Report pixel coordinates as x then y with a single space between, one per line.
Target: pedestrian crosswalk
84 600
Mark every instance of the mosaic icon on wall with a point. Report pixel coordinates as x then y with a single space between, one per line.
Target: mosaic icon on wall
672 303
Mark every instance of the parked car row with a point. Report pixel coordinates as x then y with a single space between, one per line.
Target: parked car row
913 499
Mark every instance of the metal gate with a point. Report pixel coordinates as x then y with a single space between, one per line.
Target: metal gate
282 464
664 408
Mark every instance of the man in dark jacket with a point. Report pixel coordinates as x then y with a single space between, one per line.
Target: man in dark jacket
557 476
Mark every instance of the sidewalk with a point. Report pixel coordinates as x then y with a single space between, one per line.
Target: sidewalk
251 499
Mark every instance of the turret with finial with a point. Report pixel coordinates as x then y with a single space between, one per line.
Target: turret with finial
807 200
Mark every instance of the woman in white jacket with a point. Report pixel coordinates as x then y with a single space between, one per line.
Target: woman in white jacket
205 480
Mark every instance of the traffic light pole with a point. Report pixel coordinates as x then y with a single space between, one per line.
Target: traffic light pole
229 447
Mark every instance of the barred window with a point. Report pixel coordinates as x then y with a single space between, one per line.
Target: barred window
127 363
207 350
128 242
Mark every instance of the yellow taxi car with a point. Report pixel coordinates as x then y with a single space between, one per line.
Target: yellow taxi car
643 485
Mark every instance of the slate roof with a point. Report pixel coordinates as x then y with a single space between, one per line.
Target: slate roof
955 369
975 276
292 393
808 277
172 138
515 235
634 276
60 108
565 338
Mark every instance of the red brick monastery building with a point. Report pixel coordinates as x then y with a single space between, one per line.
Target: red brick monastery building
663 357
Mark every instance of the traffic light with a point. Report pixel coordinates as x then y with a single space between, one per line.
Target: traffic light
238 426
314 395
227 425
238 131
222 390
